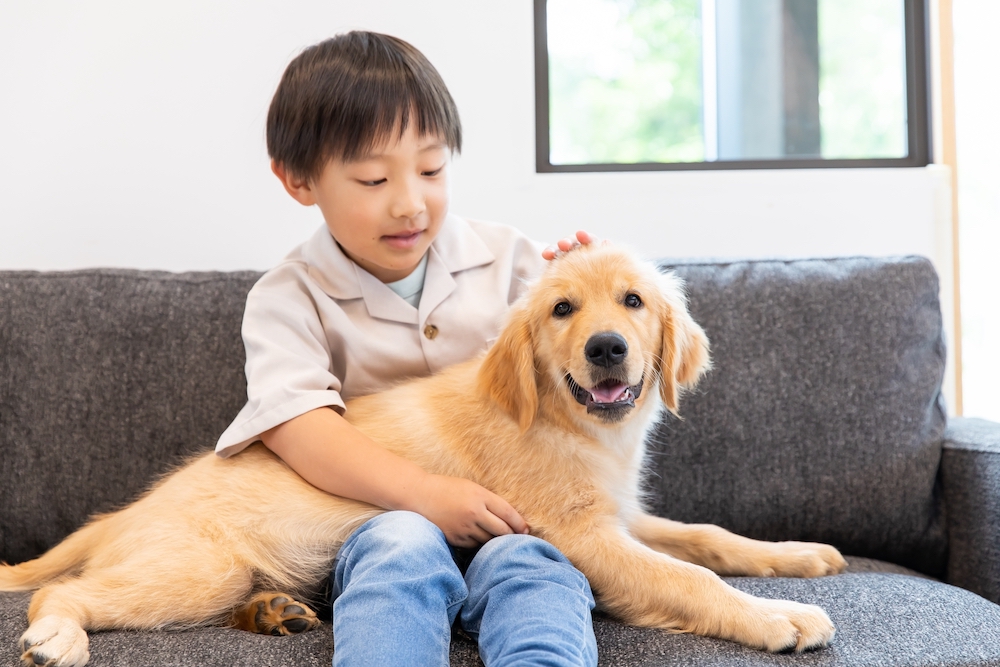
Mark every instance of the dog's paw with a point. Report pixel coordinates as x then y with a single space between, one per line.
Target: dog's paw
782 626
275 614
54 641
801 559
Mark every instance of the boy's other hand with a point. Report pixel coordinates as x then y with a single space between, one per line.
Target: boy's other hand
468 514
567 244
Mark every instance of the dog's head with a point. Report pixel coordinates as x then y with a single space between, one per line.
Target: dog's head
595 337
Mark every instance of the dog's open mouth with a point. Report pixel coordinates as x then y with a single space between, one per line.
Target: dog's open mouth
610 394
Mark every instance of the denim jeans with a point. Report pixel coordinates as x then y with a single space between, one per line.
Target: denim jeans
397 592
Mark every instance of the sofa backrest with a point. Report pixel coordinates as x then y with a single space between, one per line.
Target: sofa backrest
108 378
822 417
820 420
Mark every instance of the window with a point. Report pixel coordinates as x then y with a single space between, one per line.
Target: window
730 84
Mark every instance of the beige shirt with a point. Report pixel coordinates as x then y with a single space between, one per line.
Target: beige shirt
319 329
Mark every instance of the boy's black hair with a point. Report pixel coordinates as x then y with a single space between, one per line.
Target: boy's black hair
342 97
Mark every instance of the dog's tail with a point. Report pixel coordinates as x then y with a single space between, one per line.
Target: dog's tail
65 558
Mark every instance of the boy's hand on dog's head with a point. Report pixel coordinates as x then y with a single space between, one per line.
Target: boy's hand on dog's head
468 514
567 244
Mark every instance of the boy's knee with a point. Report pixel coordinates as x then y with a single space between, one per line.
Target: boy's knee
526 556
401 547
525 549
399 531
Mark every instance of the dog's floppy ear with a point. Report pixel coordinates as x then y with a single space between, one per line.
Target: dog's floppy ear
508 372
684 354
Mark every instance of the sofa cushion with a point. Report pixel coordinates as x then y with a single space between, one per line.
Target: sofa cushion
107 379
821 419
883 616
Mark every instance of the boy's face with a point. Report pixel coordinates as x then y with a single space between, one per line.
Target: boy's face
386 208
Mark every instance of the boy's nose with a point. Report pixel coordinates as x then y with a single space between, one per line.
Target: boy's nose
408 200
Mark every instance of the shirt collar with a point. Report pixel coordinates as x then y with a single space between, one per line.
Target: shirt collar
456 248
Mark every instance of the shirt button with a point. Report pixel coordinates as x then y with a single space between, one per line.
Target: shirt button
430 332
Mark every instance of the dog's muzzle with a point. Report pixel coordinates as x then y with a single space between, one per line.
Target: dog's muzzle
611 397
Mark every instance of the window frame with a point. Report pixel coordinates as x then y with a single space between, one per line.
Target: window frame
918 110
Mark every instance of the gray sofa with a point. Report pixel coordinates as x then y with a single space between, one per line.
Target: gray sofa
822 420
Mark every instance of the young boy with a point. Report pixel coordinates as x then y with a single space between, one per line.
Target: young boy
393 286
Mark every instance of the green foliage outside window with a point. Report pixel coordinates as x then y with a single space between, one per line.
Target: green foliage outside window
862 91
625 81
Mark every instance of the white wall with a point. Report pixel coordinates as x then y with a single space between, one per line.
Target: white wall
132 135
976 55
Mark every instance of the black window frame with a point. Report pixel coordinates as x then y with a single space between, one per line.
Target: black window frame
918 110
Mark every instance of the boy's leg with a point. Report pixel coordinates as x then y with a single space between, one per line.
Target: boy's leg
528 605
396 592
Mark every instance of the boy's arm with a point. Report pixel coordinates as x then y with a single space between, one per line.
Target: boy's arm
331 454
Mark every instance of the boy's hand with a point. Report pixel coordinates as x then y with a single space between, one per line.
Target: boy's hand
567 244
468 514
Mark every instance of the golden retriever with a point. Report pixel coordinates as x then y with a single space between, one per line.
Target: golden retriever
580 373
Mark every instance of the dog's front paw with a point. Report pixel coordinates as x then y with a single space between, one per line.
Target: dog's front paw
801 559
54 641
785 626
275 614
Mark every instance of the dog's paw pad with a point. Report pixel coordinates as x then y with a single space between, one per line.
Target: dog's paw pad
55 642
277 614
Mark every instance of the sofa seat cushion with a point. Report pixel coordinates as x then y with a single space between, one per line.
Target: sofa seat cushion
883 620
885 615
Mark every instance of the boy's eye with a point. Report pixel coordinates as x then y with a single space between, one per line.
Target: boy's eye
433 172
372 183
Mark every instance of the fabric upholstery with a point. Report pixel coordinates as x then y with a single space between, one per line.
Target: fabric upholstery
971 473
108 378
821 419
884 618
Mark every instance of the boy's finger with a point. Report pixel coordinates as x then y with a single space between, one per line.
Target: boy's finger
494 525
502 509
470 539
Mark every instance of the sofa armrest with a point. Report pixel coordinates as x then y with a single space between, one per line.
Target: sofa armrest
970 470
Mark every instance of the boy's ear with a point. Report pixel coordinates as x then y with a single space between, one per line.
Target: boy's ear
299 188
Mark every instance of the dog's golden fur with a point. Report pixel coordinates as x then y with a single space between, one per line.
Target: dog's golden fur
524 421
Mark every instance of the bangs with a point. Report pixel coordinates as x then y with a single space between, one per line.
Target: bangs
342 98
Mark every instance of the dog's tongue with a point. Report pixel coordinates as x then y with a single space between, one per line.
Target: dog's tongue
608 392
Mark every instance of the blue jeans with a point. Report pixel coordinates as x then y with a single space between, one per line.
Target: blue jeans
397 592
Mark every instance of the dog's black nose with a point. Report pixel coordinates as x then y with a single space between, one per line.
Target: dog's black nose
606 349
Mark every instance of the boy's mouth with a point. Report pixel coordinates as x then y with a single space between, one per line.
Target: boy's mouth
403 240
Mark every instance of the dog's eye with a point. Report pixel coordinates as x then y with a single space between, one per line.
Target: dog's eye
562 309
633 301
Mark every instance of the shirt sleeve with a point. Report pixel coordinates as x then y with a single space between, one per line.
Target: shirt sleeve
288 365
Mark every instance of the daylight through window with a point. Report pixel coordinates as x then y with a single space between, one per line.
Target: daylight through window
730 83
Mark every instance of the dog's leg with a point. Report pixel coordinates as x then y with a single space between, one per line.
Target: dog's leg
728 554
131 595
645 587
273 613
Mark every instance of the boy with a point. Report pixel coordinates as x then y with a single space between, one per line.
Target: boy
363 127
